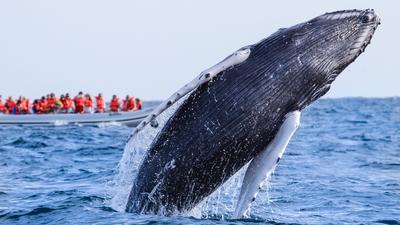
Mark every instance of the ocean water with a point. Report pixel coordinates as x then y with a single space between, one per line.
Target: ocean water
341 167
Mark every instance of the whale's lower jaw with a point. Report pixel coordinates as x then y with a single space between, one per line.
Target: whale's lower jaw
232 115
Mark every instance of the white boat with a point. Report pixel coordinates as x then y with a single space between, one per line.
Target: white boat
130 119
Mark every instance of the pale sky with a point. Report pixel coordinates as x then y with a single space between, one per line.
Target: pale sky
151 48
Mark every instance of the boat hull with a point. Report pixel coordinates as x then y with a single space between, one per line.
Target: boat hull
130 119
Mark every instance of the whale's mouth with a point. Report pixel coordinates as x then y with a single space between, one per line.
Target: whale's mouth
364 24
369 21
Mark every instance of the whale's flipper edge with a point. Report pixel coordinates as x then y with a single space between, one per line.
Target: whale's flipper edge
262 166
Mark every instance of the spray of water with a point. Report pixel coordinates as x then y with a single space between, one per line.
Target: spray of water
134 152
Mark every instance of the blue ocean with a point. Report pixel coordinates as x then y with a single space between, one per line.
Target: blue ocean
341 167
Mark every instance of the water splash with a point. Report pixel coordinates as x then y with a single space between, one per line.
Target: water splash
134 152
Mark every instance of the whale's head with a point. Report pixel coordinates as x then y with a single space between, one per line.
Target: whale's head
323 47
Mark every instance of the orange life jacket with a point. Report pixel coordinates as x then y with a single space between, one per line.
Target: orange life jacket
10 104
37 108
114 104
51 104
138 105
131 104
100 103
43 105
88 102
79 102
2 107
25 106
17 109
65 103
124 105
70 103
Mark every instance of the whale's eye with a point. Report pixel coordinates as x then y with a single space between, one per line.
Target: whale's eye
367 18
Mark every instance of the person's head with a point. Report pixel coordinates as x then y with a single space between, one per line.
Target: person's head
1 97
137 100
62 96
52 95
100 95
19 102
127 97
67 95
47 96
114 96
36 101
80 93
10 98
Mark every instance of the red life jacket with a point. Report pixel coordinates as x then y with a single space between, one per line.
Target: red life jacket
17 109
139 105
10 104
70 103
25 106
114 104
64 102
2 107
37 108
131 104
124 105
43 105
51 103
88 102
79 104
100 106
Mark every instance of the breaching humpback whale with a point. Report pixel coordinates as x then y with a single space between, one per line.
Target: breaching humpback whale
244 109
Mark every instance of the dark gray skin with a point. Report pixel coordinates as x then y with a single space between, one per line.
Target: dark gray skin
224 123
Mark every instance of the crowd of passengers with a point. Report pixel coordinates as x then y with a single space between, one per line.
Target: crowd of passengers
65 104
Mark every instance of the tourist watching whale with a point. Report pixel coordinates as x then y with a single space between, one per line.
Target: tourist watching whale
100 104
3 109
36 107
138 104
70 103
114 104
79 103
10 104
88 102
128 104
50 103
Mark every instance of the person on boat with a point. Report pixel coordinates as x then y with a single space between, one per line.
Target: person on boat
3 108
24 107
25 104
51 103
36 107
70 104
58 106
100 104
138 104
79 103
114 104
64 108
128 104
10 104
18 107
43 105
88 104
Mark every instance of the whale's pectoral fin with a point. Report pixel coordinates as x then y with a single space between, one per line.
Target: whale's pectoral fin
264 164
